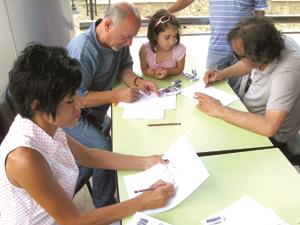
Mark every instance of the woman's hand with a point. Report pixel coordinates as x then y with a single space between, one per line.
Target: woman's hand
158 197
150 161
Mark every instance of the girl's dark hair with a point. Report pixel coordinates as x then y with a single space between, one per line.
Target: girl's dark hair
154 28
44 74
261 41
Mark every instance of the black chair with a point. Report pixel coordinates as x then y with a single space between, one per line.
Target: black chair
7 112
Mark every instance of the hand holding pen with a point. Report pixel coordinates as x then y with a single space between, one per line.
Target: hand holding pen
212 75
157 195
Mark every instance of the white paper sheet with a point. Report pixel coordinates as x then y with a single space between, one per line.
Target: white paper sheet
224 97
148 107
183 161
245 211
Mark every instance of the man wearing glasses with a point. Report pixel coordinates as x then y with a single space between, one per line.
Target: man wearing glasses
273 97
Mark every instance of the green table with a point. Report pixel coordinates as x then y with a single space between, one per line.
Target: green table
207 134
264 175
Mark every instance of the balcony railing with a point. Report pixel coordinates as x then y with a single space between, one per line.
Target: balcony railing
204 20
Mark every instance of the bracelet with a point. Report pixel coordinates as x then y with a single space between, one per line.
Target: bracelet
135 79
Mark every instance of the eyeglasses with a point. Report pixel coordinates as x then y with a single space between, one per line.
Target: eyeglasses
239 57
249 82
162 20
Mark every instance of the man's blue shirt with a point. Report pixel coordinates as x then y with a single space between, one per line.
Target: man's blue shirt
99 65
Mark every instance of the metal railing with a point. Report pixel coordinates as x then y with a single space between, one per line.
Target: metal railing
204 20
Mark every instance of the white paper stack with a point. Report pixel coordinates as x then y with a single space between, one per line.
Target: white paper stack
148 107
245 211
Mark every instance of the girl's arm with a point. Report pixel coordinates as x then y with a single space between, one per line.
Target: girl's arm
143 63
97 158
178 69
27 169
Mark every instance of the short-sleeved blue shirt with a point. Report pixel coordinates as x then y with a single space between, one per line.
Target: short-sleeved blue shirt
225 14
99 65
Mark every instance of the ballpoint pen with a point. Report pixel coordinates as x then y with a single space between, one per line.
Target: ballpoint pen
215 70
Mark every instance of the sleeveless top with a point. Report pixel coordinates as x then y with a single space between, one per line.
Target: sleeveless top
178 52
16 205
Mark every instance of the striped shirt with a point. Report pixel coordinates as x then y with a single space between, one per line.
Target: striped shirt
225 14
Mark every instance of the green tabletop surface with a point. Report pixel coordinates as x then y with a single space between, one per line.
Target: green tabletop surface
264 175
207 134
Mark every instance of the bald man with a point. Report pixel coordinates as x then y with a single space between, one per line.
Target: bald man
104 56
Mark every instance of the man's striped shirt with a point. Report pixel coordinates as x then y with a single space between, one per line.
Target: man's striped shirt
225 14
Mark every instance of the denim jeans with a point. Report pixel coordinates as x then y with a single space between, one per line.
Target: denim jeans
221 60
104 181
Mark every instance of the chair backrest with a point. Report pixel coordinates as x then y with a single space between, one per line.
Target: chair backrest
7 112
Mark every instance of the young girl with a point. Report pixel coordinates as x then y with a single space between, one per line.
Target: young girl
38 170
163 55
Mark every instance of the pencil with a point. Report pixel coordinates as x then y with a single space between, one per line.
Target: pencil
163 124
142 190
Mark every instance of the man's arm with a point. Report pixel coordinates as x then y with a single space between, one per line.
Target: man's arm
238 69
130 78
267 124
179 5
97 98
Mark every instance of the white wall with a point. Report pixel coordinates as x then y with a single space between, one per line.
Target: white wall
8 52
49 22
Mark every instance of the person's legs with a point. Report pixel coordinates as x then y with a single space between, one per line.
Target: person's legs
220 60
104 185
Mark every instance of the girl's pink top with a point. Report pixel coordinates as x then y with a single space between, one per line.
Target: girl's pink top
178 52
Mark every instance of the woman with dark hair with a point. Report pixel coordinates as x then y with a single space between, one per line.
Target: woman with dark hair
38 171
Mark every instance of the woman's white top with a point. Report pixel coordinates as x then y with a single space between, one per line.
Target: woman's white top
16 205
